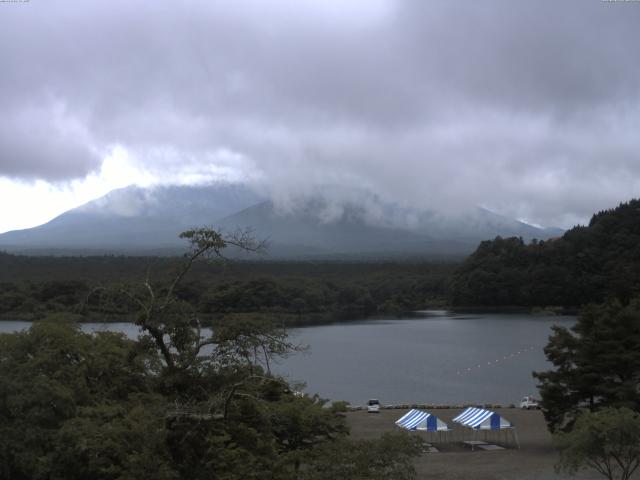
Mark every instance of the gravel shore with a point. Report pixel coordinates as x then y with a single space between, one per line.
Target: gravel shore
534 460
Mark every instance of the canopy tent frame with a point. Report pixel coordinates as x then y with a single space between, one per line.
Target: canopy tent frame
486 421
425 422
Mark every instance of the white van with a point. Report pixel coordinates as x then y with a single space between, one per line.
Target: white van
373 406
528 402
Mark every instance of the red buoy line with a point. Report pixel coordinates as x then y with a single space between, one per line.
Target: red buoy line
491 363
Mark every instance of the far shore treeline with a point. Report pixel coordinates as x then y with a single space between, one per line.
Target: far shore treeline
295 292
587 264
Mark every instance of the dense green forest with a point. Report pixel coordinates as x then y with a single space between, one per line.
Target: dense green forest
587 264
298 292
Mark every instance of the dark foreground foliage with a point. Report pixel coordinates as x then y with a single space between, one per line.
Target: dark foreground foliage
596 364
607 441
179 403
79 406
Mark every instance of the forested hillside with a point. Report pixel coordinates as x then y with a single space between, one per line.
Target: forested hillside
587 264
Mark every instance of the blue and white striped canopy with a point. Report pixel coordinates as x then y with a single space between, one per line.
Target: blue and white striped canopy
482 419
419 420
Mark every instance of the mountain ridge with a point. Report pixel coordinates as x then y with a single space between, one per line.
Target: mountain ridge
136 220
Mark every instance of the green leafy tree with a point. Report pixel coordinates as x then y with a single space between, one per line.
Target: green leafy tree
596 364
301 423
65 395
124 440
607 441
390 457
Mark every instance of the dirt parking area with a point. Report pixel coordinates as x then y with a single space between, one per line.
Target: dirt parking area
534 460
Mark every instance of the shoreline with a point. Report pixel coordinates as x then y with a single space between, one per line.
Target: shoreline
427 406
311 319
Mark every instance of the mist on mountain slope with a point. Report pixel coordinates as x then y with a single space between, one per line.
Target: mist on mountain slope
334 222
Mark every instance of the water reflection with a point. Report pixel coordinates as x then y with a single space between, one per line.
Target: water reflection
433 357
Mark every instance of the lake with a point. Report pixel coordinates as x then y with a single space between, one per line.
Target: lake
436 358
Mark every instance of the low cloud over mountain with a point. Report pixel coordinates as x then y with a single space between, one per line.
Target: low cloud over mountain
148 221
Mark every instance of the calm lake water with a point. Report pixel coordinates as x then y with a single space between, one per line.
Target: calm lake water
437 358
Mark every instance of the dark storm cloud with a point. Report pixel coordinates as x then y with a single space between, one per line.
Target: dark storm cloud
44 140
528 108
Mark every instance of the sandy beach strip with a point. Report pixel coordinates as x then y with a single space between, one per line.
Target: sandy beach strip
534 460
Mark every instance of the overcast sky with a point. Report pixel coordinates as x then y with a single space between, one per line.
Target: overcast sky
531 109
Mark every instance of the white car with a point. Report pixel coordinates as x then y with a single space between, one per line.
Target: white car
528 402
373 406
